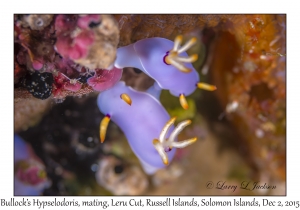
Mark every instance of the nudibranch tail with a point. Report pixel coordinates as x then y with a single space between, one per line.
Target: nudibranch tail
173 58
183 101
163 145
103 127
166 128
206 86
161 151
125 97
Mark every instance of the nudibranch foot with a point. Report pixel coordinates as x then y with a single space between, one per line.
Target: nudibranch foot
103 127
173 58
206 86
163 145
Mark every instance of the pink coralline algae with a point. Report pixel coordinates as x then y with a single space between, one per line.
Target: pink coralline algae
94 38
72 48
73 42
62 82
89 21
82 39
104 79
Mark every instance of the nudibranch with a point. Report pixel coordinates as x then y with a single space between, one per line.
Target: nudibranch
30 176
166 62
145 123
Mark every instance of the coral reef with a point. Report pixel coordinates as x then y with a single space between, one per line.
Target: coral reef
89 40
28 112
254 78
138 26
57 56
70 47
67 148
36 22
70 148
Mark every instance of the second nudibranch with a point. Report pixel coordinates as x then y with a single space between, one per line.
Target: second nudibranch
166 62
145 123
